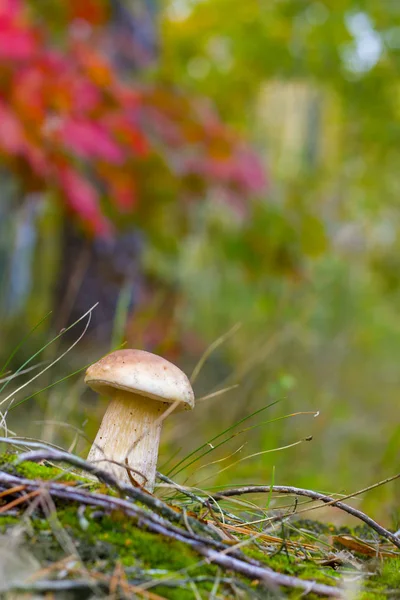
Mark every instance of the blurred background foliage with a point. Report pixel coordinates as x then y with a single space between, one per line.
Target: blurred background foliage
195 164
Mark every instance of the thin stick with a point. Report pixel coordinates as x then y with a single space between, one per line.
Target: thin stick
327 500
19 500
14 490
74 585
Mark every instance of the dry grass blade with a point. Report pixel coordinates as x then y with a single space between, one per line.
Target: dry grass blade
253 456
267 538
217 393
88 314
218 342
10 376
361 547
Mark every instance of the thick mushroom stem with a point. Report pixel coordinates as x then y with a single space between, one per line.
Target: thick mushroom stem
130 430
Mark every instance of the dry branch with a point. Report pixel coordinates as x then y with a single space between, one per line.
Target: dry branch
284 489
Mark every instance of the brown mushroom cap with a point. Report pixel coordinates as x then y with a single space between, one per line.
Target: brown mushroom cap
143 373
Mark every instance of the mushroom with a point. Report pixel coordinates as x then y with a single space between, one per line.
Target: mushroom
141 386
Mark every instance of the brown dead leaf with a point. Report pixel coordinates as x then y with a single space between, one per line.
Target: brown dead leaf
356 545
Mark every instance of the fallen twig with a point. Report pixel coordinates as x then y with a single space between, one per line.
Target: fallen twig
76 585
19 500
73 585
327 500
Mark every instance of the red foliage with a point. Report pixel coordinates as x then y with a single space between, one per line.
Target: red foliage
82 197
91 11
70 124
17 40
90 140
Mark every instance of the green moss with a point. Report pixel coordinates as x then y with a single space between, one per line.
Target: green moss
102 541
7 521
389 574
174 593
132 545
32 470
369 595
311 526
304 569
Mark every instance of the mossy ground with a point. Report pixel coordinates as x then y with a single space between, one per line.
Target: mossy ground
104 541
46 472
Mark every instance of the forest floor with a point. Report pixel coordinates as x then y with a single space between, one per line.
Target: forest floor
65 533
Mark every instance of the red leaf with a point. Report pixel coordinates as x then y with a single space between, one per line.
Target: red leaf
127 132
10 8
124 195
250 174
92 11
27 93
86 96
37 159
126 96
12 137
82 198
16 40
16 45
95 66
121 188
90 140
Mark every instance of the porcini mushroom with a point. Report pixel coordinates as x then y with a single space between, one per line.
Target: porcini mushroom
141 386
